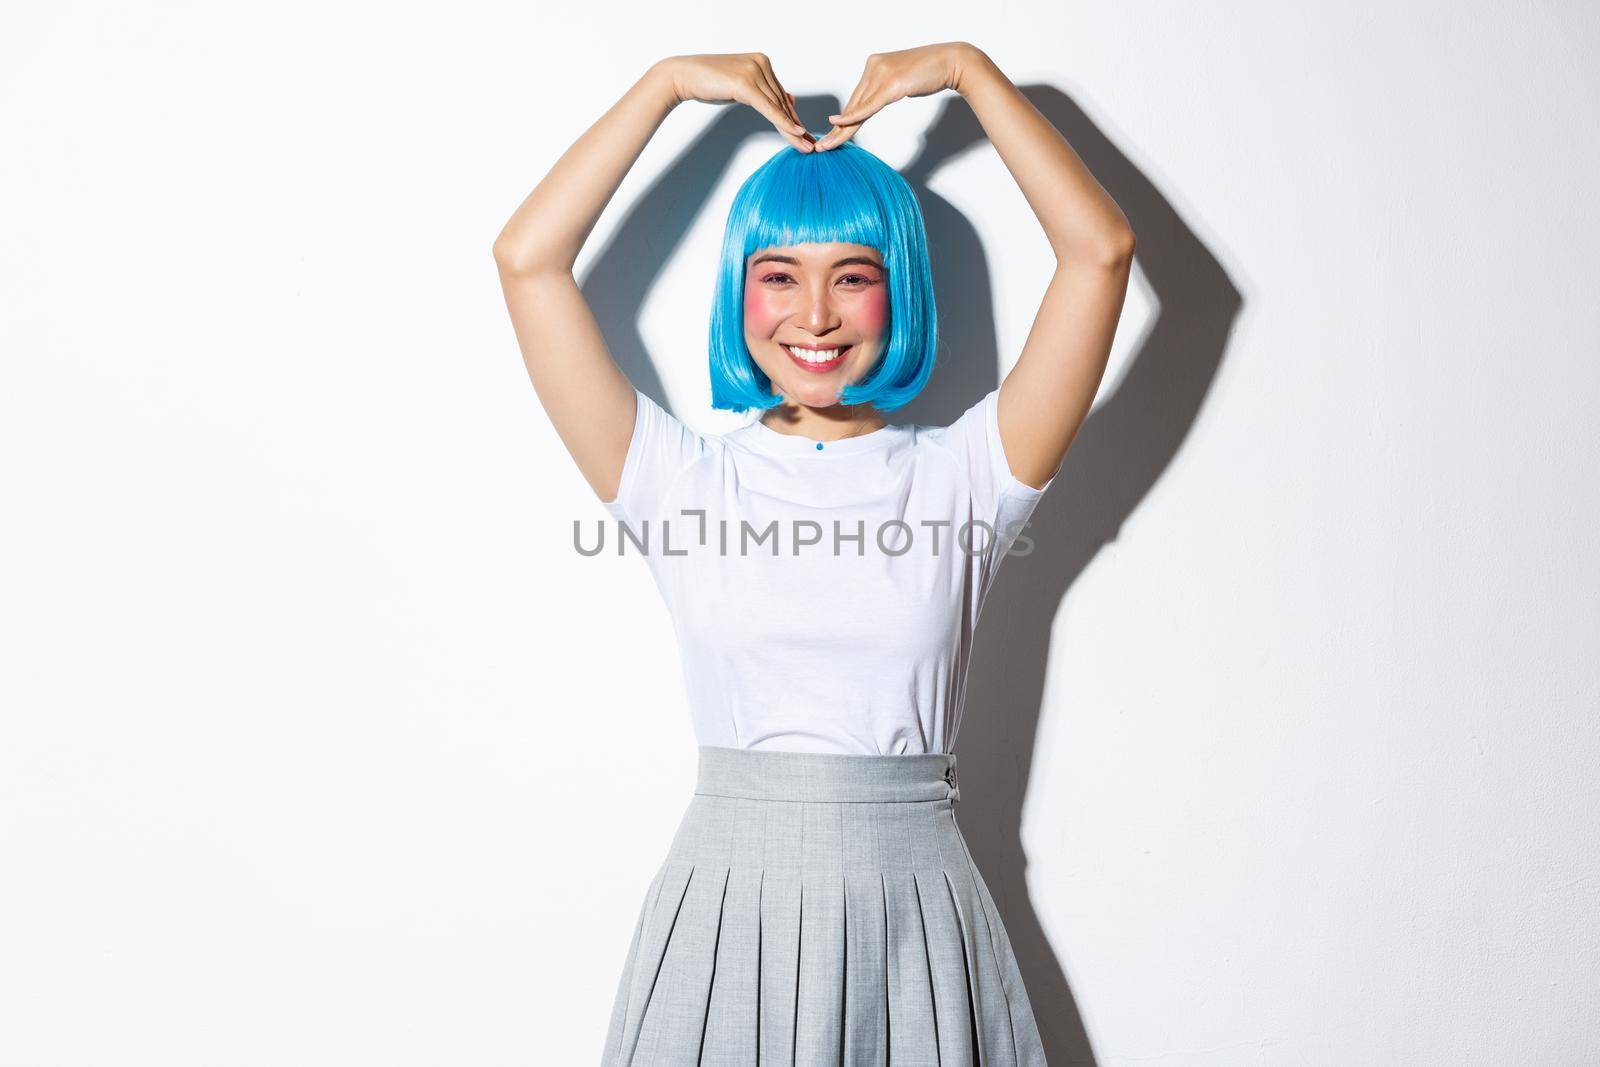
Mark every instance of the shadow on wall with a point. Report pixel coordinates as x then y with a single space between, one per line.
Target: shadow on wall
1123 447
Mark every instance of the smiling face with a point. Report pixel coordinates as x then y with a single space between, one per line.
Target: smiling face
816 317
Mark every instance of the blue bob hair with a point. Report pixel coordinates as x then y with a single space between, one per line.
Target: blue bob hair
845 195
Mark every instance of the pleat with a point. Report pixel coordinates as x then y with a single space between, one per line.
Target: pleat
991 1017
675 1015
780 965
913 1020
1025 1029
730 1033
866 994
947 960
760 895
646 969
819 1009
619 1004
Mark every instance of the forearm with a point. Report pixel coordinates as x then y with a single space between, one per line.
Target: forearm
548 230
1079 217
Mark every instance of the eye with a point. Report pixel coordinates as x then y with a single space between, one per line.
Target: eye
857 279
776 276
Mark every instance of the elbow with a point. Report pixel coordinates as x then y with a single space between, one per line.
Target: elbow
520 249
505 257
522 261
1117 250
508 258
1111 250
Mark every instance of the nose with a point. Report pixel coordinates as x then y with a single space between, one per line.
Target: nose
820 314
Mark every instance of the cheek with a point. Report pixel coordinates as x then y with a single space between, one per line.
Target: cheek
763 310
871 313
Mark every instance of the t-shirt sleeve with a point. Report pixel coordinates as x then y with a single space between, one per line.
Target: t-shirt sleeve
1000 500
661 448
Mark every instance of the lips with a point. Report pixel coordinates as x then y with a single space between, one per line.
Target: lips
817 360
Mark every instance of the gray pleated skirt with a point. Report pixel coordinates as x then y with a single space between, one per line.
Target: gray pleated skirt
820 908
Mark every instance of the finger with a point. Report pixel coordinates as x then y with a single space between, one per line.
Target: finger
793 130
794 109
764 102
853 117
789 124
766 83
788 100
782 95
836 137
854 103
860 105
788 104
794 115
781 116
844 131
859 110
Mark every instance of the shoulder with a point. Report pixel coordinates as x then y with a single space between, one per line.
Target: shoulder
968 434
738 439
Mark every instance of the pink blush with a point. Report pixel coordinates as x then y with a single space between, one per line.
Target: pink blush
763 309
870 315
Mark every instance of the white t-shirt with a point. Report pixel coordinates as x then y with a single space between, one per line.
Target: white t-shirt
792 638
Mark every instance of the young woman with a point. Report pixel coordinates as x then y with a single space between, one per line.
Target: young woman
824 568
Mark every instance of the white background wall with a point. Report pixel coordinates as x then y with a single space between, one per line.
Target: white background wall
321 746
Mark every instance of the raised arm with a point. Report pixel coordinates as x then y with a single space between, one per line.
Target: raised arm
588 398
1048 394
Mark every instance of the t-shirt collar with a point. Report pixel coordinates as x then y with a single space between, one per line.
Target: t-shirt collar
772 441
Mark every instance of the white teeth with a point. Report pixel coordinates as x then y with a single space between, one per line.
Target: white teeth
818 355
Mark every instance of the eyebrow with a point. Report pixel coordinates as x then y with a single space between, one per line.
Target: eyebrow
846 261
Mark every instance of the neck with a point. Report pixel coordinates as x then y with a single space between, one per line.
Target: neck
834 423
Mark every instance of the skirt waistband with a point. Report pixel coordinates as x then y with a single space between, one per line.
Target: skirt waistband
826 777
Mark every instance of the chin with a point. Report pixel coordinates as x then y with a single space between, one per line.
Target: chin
818 394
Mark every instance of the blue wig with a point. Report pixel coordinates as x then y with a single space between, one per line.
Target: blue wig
845 195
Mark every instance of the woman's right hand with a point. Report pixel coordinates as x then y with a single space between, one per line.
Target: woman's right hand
744 78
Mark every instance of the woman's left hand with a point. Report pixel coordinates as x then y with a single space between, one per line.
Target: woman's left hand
892 76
